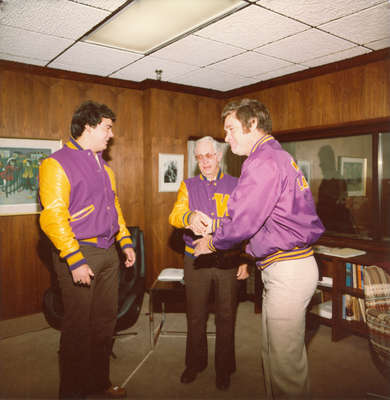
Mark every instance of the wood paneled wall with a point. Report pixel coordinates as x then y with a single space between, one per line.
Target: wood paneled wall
353 94
150 122
35 106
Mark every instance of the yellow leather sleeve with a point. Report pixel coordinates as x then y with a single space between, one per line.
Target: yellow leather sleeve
179 217
123 236
54 192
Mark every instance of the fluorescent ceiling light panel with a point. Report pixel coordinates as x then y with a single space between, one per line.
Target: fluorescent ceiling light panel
147 24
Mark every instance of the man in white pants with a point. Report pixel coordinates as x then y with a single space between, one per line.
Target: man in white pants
272 207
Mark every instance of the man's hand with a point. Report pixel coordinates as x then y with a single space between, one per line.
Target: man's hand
82 275
200 223
130 256
202 245
242 272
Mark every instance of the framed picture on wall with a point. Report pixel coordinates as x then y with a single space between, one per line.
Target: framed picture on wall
170 172
19 167
354 171
304 166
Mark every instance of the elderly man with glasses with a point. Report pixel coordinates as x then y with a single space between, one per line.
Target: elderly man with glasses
200 200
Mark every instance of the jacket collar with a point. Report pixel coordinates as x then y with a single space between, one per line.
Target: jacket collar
218 177
261 141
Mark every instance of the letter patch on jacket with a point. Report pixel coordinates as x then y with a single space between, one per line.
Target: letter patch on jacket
221 204
301 180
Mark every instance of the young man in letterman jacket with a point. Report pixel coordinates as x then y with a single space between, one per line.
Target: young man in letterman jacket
273 208
199 198
82 218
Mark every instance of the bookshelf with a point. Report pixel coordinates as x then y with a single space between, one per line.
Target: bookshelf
335 267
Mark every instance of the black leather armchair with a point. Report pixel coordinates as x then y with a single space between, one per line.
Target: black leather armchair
132 284
131 290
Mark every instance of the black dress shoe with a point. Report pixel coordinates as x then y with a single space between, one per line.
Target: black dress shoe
188 376
223 381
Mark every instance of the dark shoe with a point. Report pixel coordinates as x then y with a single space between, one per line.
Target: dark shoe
115 392
188 376
223 381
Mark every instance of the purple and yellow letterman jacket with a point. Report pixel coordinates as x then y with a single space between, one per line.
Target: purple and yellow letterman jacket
197 193
272 206
80 204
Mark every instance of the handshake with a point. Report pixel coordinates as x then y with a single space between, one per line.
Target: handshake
200 223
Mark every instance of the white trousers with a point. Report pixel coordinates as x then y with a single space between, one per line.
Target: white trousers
288 289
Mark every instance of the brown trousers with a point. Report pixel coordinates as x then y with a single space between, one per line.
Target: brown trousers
88 324
198 283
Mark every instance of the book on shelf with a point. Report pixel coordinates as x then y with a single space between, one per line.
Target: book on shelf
348 274
353 308
343 252
348 307
362 309
354 275
361 276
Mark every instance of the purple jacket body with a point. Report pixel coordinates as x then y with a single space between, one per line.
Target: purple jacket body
91 192
210 198
80 205
272 206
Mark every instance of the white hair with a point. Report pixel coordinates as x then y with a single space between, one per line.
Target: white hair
208 139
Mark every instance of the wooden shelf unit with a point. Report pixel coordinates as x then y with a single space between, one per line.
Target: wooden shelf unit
335 267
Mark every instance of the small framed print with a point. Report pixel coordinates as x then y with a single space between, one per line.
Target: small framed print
304 166
354 171
170 172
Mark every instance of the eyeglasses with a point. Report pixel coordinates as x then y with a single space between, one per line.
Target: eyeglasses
207 156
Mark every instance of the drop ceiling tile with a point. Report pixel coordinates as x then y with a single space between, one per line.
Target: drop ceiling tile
24 60
91 70
363 27
316 12
341 55
379 44
197 51
249 64
251 27
280 72
305 46
212 79
18 42
90 58
60 18
110 5
146 67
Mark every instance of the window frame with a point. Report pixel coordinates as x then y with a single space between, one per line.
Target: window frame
373 127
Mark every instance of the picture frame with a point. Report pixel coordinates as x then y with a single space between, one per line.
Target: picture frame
170 172
305 168
19 166
354 172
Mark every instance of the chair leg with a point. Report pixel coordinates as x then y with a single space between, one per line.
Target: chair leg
118 335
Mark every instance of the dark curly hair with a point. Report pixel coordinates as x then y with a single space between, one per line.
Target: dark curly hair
89 113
